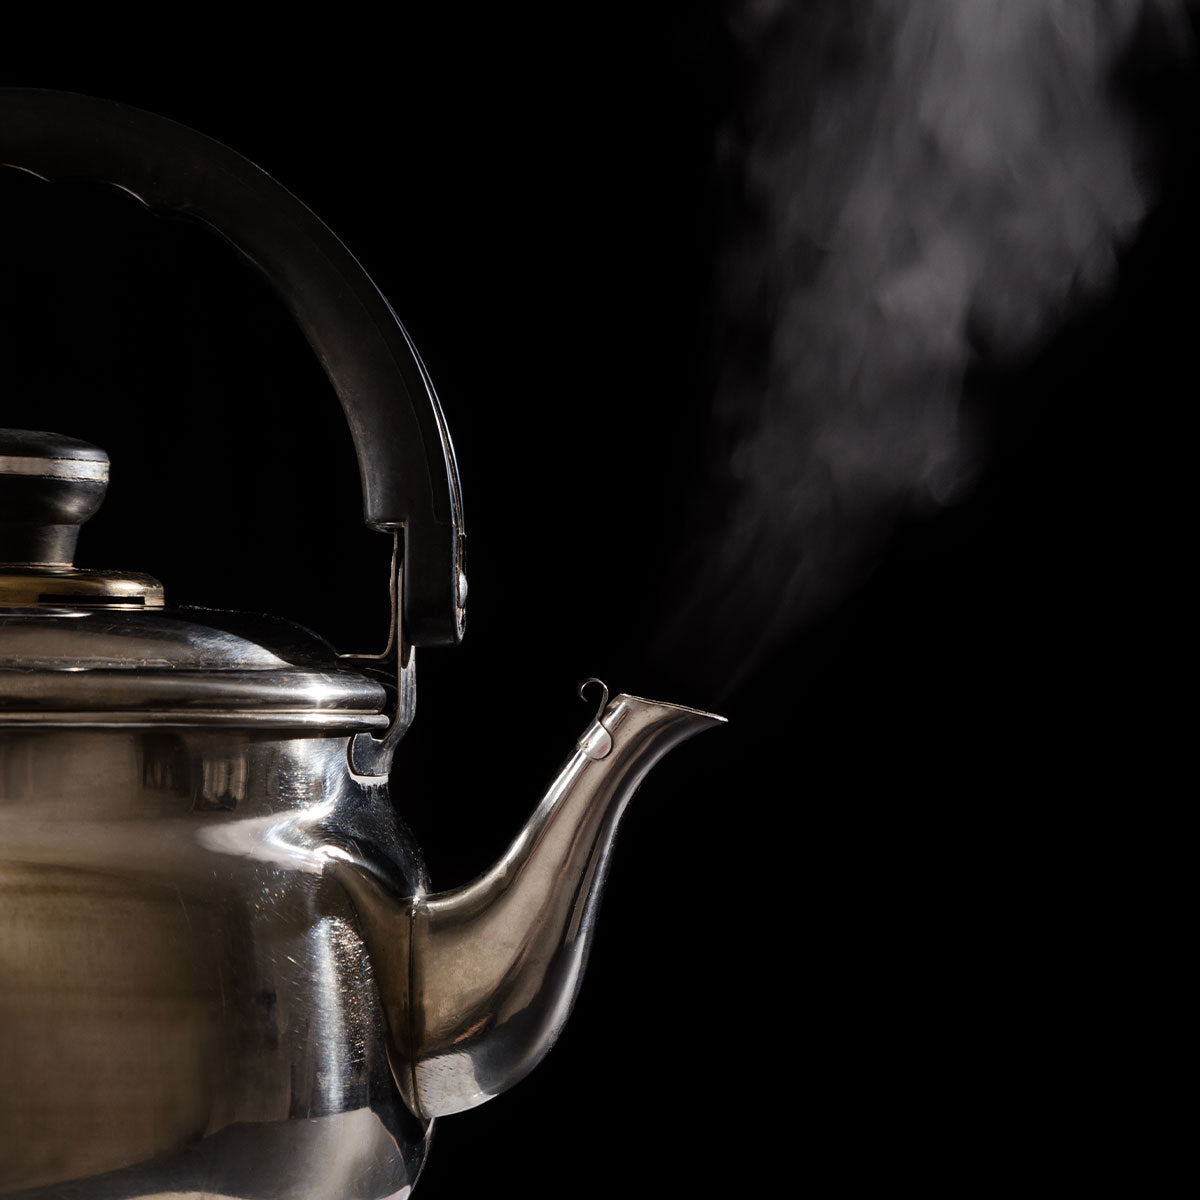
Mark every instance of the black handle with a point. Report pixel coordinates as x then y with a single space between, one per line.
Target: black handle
405 455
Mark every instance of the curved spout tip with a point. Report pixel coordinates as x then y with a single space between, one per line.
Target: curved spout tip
636 722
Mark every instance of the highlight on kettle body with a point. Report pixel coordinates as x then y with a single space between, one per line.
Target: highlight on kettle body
222 969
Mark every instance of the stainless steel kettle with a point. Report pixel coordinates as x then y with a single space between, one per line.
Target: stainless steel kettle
222 970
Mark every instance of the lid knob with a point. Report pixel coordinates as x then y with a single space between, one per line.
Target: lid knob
49 485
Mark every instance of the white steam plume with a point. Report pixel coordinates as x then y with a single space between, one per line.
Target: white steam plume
929 180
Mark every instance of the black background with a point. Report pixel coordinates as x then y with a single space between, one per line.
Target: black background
866 930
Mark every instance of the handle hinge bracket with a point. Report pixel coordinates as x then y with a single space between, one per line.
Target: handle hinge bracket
371 755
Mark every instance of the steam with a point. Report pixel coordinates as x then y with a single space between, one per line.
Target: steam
928 182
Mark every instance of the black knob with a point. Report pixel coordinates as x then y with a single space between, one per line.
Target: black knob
49 485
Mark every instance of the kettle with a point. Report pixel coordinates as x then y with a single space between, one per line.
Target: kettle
223 971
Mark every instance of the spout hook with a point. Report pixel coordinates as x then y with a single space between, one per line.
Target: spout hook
603 693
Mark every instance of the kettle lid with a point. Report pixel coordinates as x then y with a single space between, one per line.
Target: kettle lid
99 647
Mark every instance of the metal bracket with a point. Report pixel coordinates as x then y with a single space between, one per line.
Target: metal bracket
369 755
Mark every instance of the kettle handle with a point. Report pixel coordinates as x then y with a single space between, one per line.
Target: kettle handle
405 456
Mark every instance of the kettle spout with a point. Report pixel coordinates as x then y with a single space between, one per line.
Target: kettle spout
494 967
